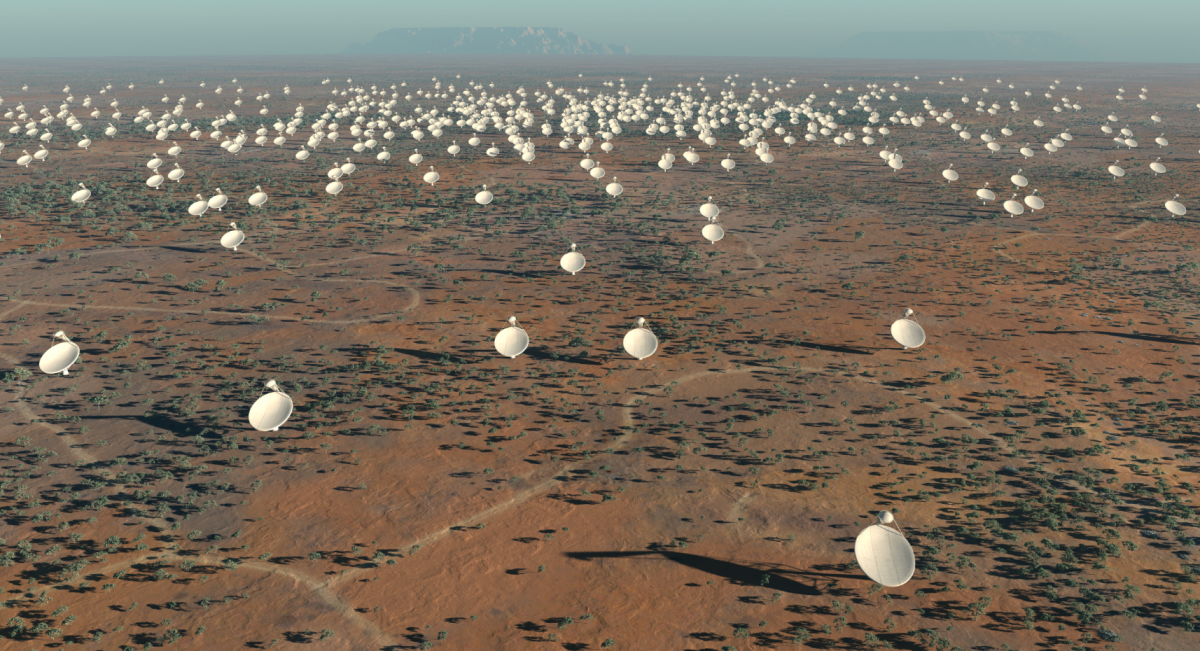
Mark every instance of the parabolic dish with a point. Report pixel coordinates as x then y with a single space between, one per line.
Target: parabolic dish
640 343
232 239
270 412
59 358
885 555
1176 208
511 341
573 261
713 232
908 333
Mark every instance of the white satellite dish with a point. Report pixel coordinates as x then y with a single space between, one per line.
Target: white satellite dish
1014 207
949 174
884 554
334 188
272 410
1034 202
513 340
1175 207
1157 167
218 200
82 195
908 333
640 342
573 261
614 188
484 197
1116 170
258 198
198 207
728 164
709 210
713 232
233 238
1019 180
985 194
431 176
60 356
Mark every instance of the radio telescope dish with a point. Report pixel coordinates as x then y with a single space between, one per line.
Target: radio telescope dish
1013 206
597 173
709 210
985 194
233 238
1157 167
82 195
272 410
513 340
218 200
573 261
60 356
485 197
198 207
258 198
1018 180
949 174
334 188
1175 207
640 342
1034 202
431 176
614 188
176 173
1116 170
908 333
728 164
713 233
884 554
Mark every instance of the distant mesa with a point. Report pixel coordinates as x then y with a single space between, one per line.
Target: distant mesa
481 40
966 46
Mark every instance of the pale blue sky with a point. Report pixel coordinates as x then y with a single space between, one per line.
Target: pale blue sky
1146 30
